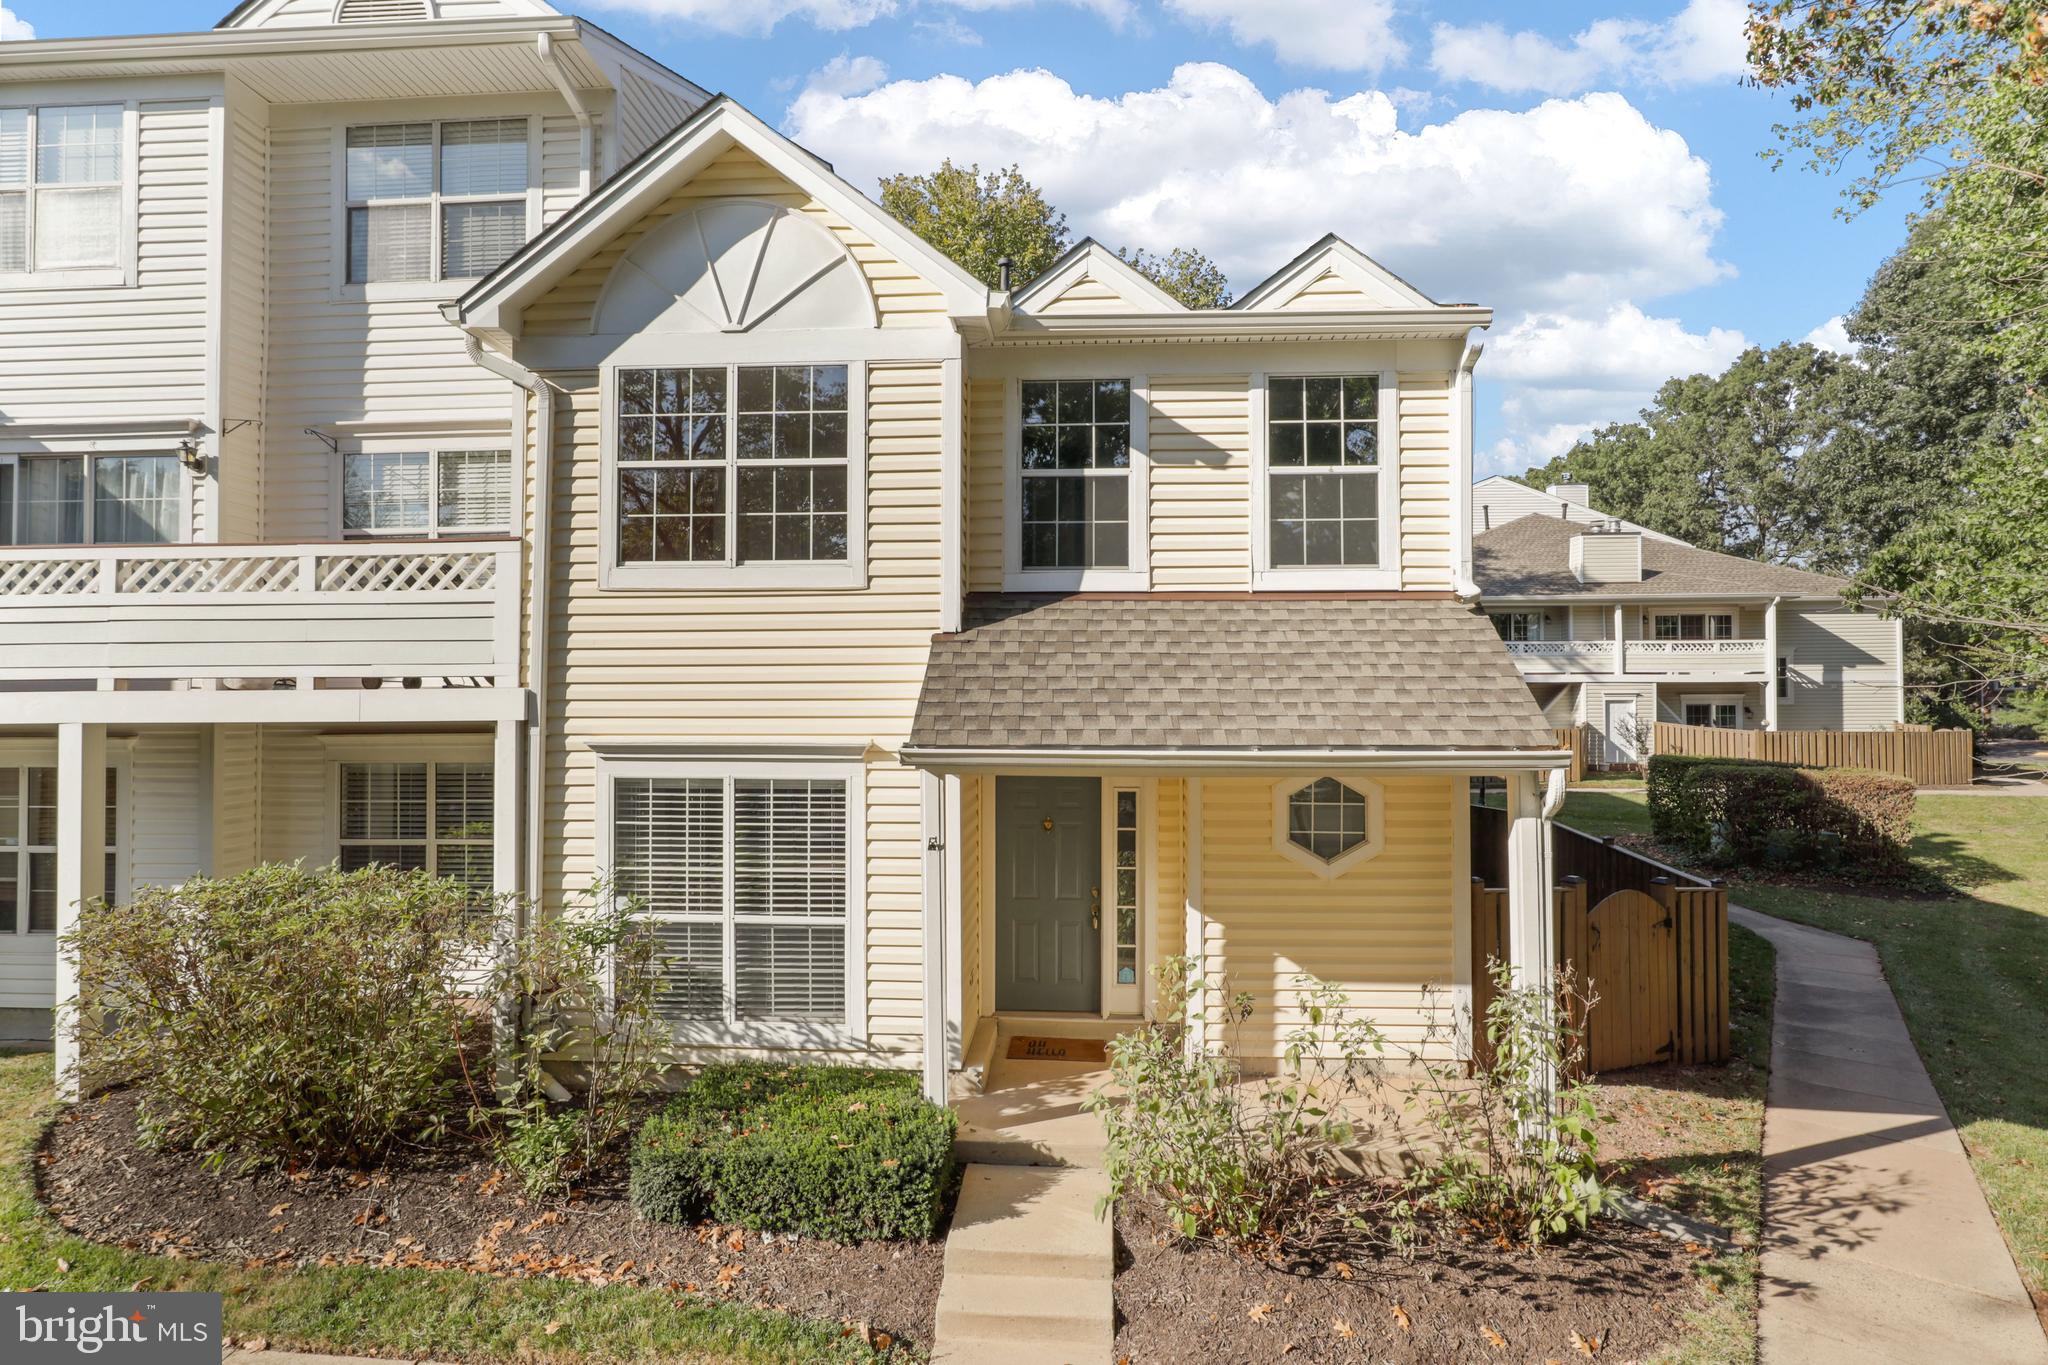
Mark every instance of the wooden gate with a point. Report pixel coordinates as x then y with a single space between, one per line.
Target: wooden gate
1628 968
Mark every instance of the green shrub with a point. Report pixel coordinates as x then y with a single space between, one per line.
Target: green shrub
543 1149
285 1014
844 1153
1742 813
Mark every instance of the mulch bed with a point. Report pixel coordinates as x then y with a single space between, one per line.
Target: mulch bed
451 1209
1619 1288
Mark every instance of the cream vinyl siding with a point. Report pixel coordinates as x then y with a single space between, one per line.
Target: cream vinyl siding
1201 493
118 352
985 483
238 798
245 321
901 296
1429 469
976 808
1166 929
296 826
734 668
1592 623
1496 502
1382 930
1085 295
165 819
1845 668
1330 291
646 114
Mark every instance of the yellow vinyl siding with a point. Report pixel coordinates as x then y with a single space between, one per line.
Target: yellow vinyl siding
766 668
1429 469
1383 930
901 296
1168 927
974 791
1200 470
245 322
1329 291
1085 295
986 484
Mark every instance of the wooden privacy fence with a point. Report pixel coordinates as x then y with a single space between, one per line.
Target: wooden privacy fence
1648 941
1573 737
1926 758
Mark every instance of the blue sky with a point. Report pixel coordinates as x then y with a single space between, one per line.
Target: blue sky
1591 171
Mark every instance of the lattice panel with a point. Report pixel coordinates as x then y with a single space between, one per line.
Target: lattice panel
455 571
48 577
256 573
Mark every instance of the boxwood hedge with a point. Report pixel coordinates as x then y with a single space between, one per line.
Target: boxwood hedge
845 1153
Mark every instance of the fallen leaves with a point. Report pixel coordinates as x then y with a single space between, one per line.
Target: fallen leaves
1493 1338
552 1328
1258 1312
63 1266
1401 1319
1586 1346
1343 1329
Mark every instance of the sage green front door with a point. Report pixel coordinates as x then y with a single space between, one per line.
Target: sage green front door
1049 894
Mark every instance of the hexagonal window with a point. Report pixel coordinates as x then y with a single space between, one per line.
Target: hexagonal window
1327 823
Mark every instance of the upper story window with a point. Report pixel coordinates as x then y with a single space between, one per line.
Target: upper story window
115 499
60 188
1693 625
1519 625
1074 476
1323 471
735 467
426 492
435 201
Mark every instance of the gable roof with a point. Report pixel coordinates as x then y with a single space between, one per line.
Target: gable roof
1498 491
310 13
650 178
1089 259
1531 557
1332 254
1288 678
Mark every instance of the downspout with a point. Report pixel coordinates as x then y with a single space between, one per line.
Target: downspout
1462 582
587 157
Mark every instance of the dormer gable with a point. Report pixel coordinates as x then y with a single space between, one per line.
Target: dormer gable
1333 276
314 13
1090 278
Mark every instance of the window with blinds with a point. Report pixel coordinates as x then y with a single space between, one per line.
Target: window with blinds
60 187
434 201
745 884
28 848
425 492
426 817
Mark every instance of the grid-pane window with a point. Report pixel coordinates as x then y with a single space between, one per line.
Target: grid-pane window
1519 625
734 465
135 499
433 201
1323 470
28 848
91 500
745 884
421 492
1693 625
60 187
1074 474
426 817
1718 715
1327 818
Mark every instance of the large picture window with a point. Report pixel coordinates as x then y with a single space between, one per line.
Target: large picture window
60 187
426 492
434 201
90 500
1323 471
28 848
1694 625
431 817
734 465
1075 474
746 883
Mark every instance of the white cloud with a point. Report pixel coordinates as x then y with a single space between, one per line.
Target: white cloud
1831 336
845 75
946 30
1703 42
1116 13
1336 35
14 28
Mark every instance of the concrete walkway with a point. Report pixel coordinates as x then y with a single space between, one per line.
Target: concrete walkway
1878 1246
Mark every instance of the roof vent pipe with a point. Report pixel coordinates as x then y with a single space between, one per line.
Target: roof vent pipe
1003 267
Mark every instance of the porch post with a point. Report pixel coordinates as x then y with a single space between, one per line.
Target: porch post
508 877
1531 932
1195 927
81 874
954 962
1620 646
938 941
1771 665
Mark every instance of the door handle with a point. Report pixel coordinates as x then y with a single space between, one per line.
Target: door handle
1094 907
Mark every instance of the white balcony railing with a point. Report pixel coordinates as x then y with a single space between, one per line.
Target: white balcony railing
352 609
1573 657
1698 658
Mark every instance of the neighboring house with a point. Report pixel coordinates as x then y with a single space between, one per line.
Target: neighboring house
1615 627
914 653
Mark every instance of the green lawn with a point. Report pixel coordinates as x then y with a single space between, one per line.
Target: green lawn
1970 972
407 1314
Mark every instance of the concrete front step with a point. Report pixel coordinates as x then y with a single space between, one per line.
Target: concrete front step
1029 1269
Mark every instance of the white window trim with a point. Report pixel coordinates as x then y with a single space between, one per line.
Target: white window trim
852 1033
434 447
121 274
1735 699
430 749
1138 576
1375 824
1386 575
820 574
1537 617
1119 999
1650 615
436 287
114 450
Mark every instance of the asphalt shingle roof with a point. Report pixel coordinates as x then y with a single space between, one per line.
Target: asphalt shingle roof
1251 672
1531 557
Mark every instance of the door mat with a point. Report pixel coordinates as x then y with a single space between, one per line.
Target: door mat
1030 1047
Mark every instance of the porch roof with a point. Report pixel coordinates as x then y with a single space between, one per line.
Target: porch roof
1272 674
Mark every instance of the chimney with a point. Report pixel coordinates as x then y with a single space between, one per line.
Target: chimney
1003 268
1605 553
1573 493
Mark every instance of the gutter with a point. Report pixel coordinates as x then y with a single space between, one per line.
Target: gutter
1462 582
321 39
545 45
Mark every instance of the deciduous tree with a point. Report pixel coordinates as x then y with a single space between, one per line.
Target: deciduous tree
978 219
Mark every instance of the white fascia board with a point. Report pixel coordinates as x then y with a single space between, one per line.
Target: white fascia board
1448 324
1198 761
226 44
673 162
1089 257
1288 280
611 54
319 706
